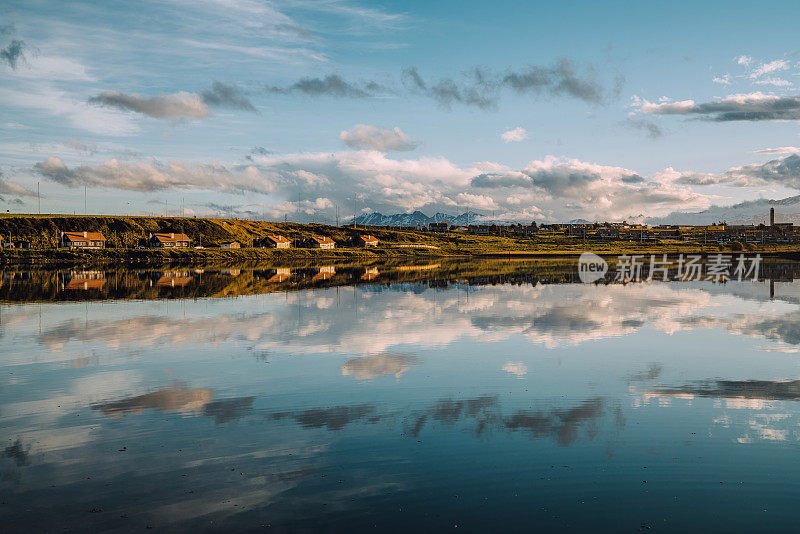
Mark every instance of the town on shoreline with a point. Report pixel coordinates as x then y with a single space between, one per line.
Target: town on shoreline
41 238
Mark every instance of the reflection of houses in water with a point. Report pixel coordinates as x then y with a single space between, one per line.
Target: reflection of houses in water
21 275
324 273
231 272
85 280
370 274
430 267
174 279
282 274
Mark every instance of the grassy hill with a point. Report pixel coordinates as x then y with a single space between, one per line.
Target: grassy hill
126 234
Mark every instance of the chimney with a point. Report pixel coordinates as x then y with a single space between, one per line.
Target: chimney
772 216
85 234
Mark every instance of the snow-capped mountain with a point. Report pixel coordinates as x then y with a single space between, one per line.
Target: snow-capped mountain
748 212
417 217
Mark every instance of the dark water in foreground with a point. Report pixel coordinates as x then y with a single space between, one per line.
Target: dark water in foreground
486 398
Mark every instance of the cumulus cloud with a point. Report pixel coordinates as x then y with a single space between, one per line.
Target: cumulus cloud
13 53
331 85
154 176
738 107
173 107
314 184
515 135
722 80
367 137
227 96
784 172
589 189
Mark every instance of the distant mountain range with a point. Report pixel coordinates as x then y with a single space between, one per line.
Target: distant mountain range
417 217
748 212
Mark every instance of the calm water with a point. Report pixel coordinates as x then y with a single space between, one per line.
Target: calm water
416 397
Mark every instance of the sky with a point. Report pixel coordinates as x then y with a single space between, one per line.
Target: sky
298 110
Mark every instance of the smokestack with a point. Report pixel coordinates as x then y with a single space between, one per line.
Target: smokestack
772 216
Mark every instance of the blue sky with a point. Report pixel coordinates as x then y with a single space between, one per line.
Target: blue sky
545 111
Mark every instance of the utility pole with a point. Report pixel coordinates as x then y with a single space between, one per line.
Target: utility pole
337 214
355 214
85 211
39 198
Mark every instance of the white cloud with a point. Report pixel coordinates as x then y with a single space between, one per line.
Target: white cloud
777 82
515 135
315 183
723 80
362 136
756 106
744 60
768 68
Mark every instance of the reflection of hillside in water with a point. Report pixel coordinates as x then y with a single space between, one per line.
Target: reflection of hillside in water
379 320
185 282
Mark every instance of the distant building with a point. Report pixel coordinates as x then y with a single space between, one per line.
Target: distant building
322 242
230 244
170 240
82 240
17 243
439 226
367 241
272 241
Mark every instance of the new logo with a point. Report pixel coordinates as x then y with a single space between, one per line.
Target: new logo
591 267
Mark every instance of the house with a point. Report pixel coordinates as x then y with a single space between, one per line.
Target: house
323 242
170 240
230 244
438 226
272 241
82 240
367 241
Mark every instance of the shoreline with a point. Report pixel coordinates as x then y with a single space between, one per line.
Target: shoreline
127 235
156 257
